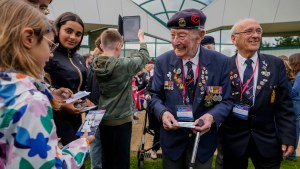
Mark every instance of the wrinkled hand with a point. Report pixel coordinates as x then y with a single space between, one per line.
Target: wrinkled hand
208 120
141 36
287 150
169 122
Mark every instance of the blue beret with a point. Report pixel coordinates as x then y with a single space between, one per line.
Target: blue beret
208 40
187 19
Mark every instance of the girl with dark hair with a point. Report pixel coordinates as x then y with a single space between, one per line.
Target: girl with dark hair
67 69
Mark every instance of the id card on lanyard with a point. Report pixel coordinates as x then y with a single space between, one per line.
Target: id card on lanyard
185 112
242 110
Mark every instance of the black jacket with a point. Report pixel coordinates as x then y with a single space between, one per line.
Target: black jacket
271 121
64 70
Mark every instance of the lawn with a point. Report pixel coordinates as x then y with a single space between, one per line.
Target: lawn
157 164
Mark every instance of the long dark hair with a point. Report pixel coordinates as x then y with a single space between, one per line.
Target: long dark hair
61 20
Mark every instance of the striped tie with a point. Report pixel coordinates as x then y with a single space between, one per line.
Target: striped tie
189 81
247 75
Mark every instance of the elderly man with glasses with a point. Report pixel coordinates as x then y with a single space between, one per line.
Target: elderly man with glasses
261 125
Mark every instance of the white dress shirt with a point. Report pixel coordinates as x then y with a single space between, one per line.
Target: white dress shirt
195 61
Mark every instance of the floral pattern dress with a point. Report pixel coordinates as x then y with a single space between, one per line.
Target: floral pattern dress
28 136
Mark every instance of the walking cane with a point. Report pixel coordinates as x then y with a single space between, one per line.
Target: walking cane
197 139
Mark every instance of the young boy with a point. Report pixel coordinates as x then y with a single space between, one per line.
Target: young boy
114 75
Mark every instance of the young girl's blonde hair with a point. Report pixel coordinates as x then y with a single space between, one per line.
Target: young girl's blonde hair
15 16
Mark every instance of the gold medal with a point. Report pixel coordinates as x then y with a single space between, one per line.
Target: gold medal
273 96
181 86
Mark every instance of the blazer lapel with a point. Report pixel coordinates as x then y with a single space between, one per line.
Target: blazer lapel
235 77
263 74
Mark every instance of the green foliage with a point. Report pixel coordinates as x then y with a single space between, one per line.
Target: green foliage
157 164
287 41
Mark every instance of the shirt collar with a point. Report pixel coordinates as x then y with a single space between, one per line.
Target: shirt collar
242 60
194 60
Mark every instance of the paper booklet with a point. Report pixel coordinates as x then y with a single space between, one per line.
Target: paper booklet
91 123
77 96
88 108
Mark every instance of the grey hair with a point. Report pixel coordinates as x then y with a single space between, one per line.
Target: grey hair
234 27
237 24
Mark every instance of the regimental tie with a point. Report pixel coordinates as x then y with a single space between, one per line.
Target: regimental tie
189 82
247 75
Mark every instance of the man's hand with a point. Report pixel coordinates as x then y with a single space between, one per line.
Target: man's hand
287 150
208 120
169 122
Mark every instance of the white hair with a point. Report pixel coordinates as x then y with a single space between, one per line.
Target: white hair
237 24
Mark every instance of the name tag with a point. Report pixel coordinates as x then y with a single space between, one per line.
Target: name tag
184 113
241 111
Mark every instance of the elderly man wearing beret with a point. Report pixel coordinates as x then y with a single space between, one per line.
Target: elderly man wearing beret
190 83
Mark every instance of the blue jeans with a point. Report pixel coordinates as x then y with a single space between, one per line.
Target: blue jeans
96 151
297 114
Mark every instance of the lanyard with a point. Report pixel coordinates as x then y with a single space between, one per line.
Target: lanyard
243 89
183 79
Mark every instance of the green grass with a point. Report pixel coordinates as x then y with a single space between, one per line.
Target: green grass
157 164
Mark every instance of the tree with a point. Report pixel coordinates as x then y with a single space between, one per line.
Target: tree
287 41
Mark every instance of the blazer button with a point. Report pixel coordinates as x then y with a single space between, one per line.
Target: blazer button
190 135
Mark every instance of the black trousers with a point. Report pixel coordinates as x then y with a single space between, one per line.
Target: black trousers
233 162
66 126
116 146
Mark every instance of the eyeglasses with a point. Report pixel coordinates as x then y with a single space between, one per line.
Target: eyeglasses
53 45
250 32
44 10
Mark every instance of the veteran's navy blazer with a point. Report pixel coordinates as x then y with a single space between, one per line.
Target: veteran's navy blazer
271 121
213 71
